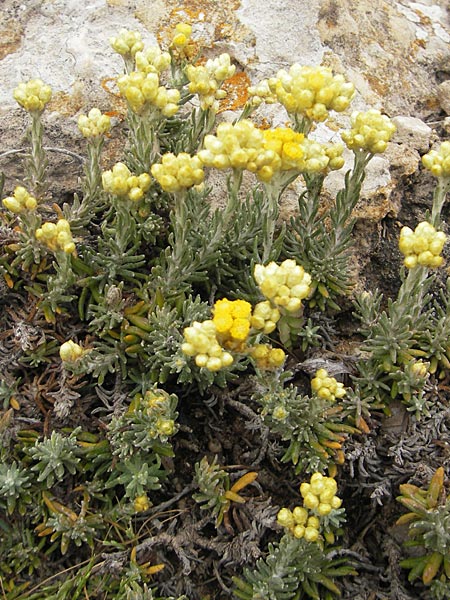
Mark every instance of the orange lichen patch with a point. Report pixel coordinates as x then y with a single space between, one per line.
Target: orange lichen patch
236 88
66 104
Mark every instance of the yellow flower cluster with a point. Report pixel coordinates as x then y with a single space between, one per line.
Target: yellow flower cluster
285 285
265 317
231 319
175 173
70 351
157 404
327 387
319 500
152 60
94 123
143 92
260 93
205 80
438 161
287 150
201 342
236 146
56 236
141 503
267 357
311 91
370 131
20 201
121 182
182 35
127 43
33 96
423 246
320 494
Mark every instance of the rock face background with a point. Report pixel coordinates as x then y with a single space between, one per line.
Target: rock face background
396 52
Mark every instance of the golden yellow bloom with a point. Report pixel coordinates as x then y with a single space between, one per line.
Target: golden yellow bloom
285 285
121 182
438 161
94 123
33 96
20 201
423 246
56 236
127 43
327 387
176 173
201 342
370 131
70 351
182 35
141 503
311 91
267 357
232 321
143 92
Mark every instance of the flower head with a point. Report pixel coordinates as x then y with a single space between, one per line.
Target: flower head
56 236
327 387
70 351
233 147
311 91
265 317
121 182
267 358
127 43
206 80
370 131
285 285
33 96
143 92
438 161
232 321
175 173
20 202
423 246
201 342
152 60
94 124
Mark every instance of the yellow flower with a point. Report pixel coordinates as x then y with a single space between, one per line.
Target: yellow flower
285 285
94 123
423 246
141 503
182 36
206 80
70 351
232 321
33 96
265 317
267 357
260 93
176 173
234 146
56 236
152 60
20 201
120 182
370 131
127 43
438 161
327 387
311 91
201 342
143 92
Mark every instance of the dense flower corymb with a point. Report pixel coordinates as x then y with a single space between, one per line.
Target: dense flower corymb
176 173
370 131
56 236
94 123
327 387
311 91
152 60
438 161
121 182
232 321
33 96
201 342
20 201
127 43
423 246
143 91
286 285
205 80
